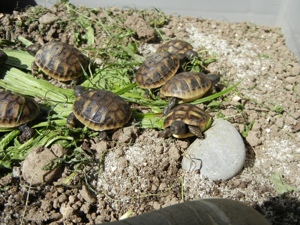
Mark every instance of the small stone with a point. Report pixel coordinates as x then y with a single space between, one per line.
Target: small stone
16 171
66 210
72 199
252 138
62 198
220 156
174 153
48 18
162 187
159 149
141 27
87 195
32 167
156 205
6 180
119 152
122 164
85 207
125 135
100 147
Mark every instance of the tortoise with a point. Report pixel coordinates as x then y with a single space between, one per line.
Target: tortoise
187 87
181 49
186 120
58 60
156 70
16 111
3 57
99 110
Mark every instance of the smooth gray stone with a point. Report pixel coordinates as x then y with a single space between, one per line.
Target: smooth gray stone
220 156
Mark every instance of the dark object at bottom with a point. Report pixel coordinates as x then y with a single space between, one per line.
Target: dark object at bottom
201 212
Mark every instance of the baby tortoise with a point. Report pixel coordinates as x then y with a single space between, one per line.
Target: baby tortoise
186 120
58 60
187 87
181 49
156 70
99 110
17 110
3 57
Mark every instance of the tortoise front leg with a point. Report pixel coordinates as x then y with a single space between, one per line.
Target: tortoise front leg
196 131
34 69
27 133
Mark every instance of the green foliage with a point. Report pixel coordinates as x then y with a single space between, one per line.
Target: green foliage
247 129
280 185
115 49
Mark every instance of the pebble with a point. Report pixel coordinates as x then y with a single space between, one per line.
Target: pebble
221 154
48 18
32 167
87 195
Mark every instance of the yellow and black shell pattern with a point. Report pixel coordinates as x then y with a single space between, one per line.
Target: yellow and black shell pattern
61 61
187 86
101 110
16 109
181 49
191 115
156 70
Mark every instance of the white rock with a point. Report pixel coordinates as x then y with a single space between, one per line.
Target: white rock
221 155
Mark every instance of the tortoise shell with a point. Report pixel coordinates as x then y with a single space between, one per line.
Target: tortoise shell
187 86
16 110
179 48
190 115
3 57
156 70
61 61
101 110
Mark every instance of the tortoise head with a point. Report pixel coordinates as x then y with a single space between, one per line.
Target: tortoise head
78 90
178 128
190 54
32 49
215 78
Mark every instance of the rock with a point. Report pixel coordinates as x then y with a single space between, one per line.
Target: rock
87 195
253 138
174 153
125 135
48 18
143 30
221 155
32 167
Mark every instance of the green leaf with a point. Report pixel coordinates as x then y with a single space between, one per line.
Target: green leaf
281 186
90 36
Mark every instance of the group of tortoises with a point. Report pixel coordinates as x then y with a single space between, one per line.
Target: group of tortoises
102 110
162 70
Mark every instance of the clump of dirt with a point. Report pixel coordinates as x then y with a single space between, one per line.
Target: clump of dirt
141 172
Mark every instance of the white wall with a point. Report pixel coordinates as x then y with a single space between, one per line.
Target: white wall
283 13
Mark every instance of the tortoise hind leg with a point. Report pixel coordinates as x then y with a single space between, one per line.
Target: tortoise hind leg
196 131
172 103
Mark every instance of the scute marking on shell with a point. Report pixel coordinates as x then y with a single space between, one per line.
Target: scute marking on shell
156 70
187 86
101 110
16 109
189 114
61 61
176 47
